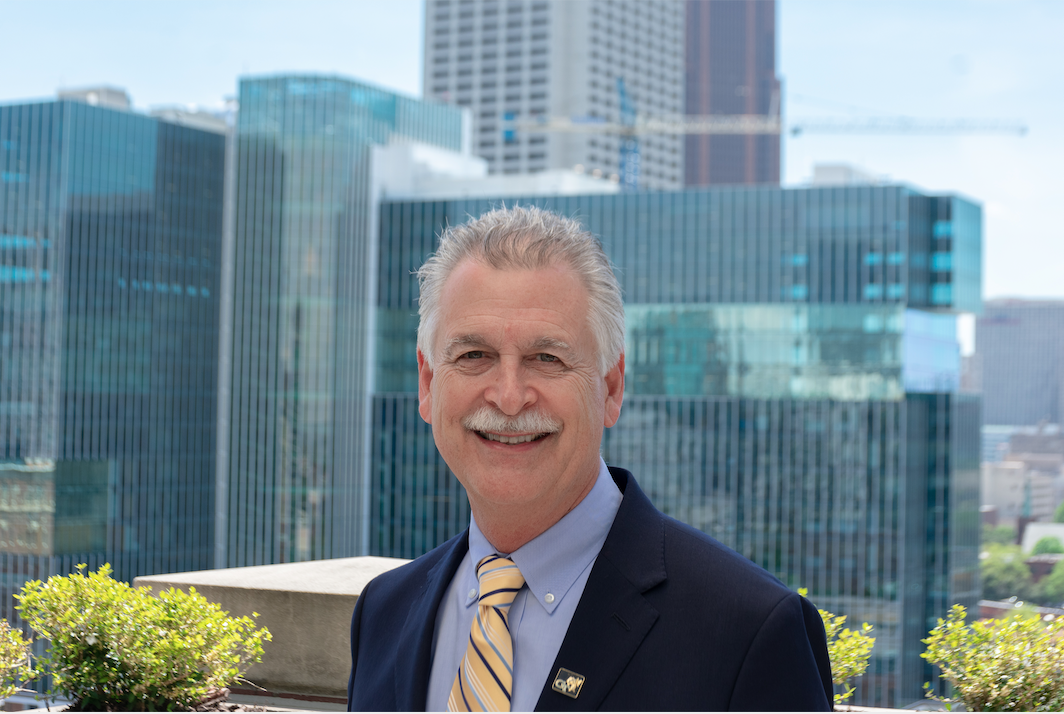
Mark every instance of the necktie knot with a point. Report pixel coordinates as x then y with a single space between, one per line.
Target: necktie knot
500 581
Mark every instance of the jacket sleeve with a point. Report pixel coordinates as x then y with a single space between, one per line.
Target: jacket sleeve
787 666
356 621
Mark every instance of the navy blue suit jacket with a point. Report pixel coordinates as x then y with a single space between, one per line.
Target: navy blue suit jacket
670 619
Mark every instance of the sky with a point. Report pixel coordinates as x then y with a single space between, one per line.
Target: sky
927 59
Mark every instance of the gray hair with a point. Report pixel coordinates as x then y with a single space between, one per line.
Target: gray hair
526 238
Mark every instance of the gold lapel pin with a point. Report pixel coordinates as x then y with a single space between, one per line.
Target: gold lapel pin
568 682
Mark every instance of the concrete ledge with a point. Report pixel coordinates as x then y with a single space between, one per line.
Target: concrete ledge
307 608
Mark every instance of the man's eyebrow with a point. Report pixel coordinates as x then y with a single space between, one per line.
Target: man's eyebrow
549 343
460 341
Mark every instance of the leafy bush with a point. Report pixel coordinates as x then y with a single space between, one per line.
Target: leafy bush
14 660
117 648
1058 515
1051 587
1047 545
1006 665
1004 573
1003 535
848 650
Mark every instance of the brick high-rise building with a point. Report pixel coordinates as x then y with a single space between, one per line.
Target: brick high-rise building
730 59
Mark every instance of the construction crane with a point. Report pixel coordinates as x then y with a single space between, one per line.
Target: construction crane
632 125
764 124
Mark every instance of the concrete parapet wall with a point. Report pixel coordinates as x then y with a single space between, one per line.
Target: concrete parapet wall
307 608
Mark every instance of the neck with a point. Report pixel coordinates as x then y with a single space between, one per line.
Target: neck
508 528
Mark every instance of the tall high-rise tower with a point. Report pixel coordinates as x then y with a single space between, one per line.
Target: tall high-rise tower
731 69
110 241
1019 346
529 58
294 385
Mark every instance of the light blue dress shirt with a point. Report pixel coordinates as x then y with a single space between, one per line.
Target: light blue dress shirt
556 565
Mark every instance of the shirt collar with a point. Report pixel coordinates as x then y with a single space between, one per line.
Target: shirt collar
552 561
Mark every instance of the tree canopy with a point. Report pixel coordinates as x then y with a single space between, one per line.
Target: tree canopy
1048 544
1005 574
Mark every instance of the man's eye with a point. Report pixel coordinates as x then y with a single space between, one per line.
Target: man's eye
543 357
475 354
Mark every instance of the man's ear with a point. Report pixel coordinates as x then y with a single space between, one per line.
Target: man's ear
424 391
614 392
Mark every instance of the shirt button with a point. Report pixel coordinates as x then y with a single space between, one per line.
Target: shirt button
548 598
472 593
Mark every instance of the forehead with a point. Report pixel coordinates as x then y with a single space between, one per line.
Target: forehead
536 303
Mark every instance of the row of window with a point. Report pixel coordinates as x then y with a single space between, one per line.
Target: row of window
14 242
18 274
467 70
443 30
466 100
488 7
491 83
490 39
165 288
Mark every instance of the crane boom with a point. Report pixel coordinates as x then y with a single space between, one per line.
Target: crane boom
763 124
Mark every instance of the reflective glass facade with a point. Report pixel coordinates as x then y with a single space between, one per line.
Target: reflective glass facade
110 239
295 390
791 390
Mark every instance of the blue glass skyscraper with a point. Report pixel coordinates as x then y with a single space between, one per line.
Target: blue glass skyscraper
110 239
791 388
296 388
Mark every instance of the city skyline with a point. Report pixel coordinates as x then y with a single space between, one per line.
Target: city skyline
943 59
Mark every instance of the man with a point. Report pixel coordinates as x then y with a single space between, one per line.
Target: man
569 590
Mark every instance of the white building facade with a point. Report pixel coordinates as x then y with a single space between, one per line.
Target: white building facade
560 58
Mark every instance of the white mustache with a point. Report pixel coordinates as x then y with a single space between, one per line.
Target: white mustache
491 421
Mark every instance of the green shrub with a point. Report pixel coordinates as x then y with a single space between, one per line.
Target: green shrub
117 648
1058 515
1003 535
1004 573
15 666
1006 665
848 650
1048 545
1051 587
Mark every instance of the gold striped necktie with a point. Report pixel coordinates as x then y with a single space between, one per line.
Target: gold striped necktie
485 677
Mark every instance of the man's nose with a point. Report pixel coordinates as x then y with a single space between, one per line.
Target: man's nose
510 392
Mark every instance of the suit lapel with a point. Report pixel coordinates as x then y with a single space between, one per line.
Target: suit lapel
613 617
414 648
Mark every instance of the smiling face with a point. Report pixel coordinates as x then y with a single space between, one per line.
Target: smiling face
515 398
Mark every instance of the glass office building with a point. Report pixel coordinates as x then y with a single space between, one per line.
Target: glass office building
295 384
792 389
110 239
